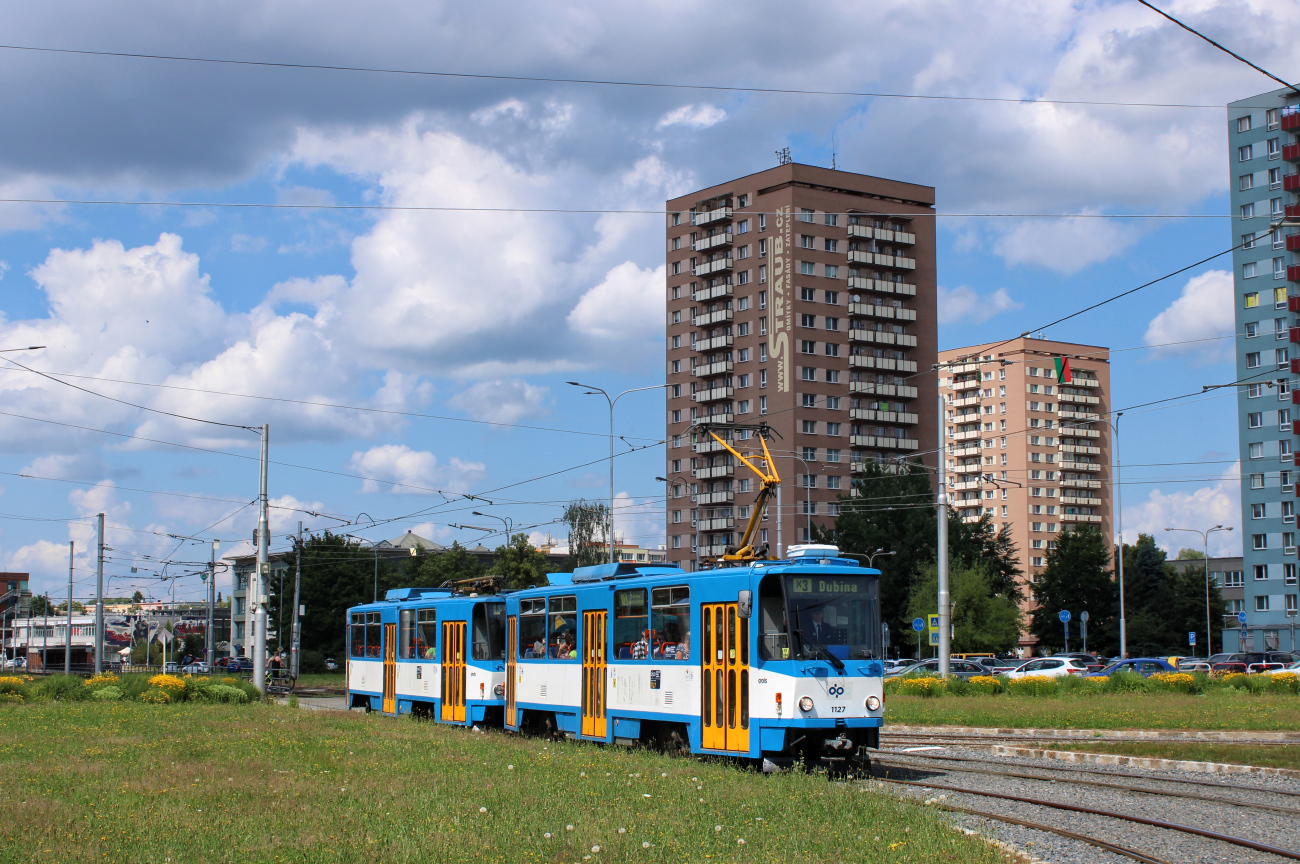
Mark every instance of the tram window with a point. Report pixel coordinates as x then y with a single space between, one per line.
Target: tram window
357 638
426 634
774 641
561 640
632 634
670 621
406 634
532 628
373 631
489 631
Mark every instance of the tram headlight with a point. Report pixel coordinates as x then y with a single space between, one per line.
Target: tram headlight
499 691
873 703
805 704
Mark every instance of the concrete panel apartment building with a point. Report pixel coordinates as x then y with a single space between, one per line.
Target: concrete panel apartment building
1263 153
1029 452
803 298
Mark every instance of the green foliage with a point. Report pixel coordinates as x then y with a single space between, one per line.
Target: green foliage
588 523
520 564
206 691
1186 554
1032 685
311 663
41 606
1163 605
1076 579
450 566
62 688
983 620
107 694
137 597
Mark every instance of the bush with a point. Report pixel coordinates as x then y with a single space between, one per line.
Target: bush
13 688
1126 682
103 679
985 685
156 696
106 693
311 663
927 687
63 688
1176 682
1032 685
1284 682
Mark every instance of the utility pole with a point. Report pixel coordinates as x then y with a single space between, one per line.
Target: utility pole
210 645
945 613
1119 520
297 623
258 585
67 653
99 602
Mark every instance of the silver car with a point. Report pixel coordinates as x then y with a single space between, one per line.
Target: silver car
960 668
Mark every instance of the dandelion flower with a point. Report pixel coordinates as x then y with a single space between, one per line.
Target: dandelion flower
717 827
547 835
695 779
510 767
482 809
645 844
582 773
622 830
740 841
568 827
595 848
665 774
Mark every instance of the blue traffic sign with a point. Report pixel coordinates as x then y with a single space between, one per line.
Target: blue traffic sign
918 624
1064 616
1191 638
1241 616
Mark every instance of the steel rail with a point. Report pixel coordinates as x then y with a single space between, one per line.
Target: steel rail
1130 774
1092 811
1292 811
900 737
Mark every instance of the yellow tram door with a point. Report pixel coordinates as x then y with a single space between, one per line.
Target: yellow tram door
390 668
594 661
453 671
512 652
724 674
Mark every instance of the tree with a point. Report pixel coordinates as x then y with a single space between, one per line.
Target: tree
521 564
1076 579
137 597
588 523
1186 554
983 619
77 608
1162 605
41 606
452 565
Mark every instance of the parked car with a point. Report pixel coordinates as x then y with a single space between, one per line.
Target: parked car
1091 661
171 667
239 664
197 668
15 663
1049 667
960 668
1144 666
989 663
330 665
1194 664
1241 662
1290 667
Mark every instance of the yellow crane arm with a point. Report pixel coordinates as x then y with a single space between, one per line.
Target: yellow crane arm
770 480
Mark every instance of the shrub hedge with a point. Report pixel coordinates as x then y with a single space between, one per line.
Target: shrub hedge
107 687
1067 685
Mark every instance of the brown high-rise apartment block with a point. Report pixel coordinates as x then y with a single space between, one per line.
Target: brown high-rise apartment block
1024 449
803 298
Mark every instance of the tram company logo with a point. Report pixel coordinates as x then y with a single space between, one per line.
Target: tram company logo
837 691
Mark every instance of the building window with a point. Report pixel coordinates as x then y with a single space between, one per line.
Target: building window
742 227
1245 153
833 349
762 278
809 427
1255 420
832 271
1248 271
1275 178
1275 206
1259 541
1248 211
1256 481
1256 450
677 416
762 404
807 241
1273 116
1274 148
1252 360
1261 572
808 347
1246 181
744 407
832 428
1261 602
1284 449
1289 573
762 221
1288 511
805 215
832 219
807 268
1243 123
1253 391
832 376
1257 511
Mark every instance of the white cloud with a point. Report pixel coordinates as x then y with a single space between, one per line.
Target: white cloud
642 522
1218 503
965 304
391 464
1204 310
65 466
697 116
1065 245
502 401
247 243
629 301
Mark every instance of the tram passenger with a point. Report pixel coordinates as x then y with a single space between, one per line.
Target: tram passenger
641 648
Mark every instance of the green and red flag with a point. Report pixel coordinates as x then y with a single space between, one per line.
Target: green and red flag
1063 370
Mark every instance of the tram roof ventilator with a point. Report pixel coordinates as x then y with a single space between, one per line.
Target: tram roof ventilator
416 593
620 570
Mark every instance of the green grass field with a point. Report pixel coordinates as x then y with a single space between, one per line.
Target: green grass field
1214 710
1272 756
331 681
124 782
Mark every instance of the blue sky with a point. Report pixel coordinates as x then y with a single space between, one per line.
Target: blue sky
483 316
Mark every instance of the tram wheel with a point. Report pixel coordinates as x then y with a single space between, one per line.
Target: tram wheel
673 739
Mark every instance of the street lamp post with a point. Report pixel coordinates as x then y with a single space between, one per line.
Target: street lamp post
506 521
872 557
592 391
1205 543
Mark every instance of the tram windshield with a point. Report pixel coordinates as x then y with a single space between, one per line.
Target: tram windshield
489 631
833 618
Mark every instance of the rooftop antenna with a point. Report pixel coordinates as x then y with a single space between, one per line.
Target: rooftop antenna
783 156
833 168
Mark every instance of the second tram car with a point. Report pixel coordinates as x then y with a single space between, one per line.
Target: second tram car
775 661
429 651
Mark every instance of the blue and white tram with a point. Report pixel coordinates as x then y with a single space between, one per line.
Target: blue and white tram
775 661
429 651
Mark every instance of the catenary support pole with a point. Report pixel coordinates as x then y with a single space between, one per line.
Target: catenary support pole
296 643
1119 522
99 602
210 643
945 612
67 645
260 574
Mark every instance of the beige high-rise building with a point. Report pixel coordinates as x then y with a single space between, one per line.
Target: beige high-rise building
1028 451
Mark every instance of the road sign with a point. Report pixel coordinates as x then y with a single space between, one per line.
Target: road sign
1191 638
1244 634
1064 615
1241 617
1083 616
934 621
934 637
918 624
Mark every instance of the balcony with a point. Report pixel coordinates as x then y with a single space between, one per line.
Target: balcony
1069 432
1080 484
1080 448
1079 517
881 337
903 418
706 243
1291 152
1291 211
970 520
1087 416
882 286
1078 399
709 216
970 468
711 551
710 318
875 259
709 446
705 294
962 402
704 499
1081 501
863 361
1292 271
714 473
965 450
1081 466
716 525
703 346
708 370
874 311
1291 182
1084 381
881 442
717 394
972 435
720 417
716 266
965 484
902 391
1290 119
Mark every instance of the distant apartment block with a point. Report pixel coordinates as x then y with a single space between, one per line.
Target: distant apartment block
1263 153
1031 453
803 298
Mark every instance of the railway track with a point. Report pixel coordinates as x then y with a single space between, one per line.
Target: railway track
1098 842
990 740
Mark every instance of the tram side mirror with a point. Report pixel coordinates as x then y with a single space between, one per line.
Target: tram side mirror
745 603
